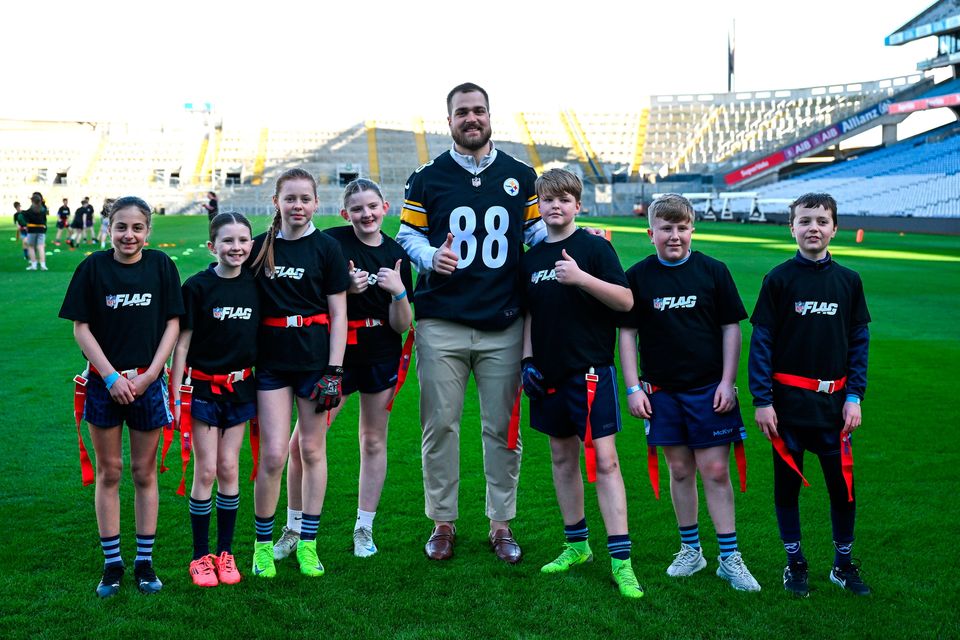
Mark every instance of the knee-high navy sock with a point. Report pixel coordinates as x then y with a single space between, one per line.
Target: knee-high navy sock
786 500
200 525
842 513
619 546
578 532
226 521
309 526
111 550
264 528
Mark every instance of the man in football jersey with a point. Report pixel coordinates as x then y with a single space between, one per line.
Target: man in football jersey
465 216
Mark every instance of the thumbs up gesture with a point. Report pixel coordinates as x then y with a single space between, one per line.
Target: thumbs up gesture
358 279
567 269
445 260
389 279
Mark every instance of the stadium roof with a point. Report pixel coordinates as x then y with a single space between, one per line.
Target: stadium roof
940 17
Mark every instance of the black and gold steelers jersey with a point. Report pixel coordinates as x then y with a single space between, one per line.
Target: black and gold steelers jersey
487 214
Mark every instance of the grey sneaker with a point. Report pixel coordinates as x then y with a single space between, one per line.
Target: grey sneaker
736 573
363 546
286 545
686 562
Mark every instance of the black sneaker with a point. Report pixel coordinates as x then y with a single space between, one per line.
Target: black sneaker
795 579
147 580
848 578
110 582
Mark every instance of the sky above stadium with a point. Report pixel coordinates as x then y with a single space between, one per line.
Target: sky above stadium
351 61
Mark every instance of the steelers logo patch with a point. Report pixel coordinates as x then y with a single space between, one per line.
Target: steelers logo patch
511 186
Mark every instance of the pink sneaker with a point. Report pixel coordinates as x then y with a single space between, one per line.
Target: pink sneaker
202 571
227 568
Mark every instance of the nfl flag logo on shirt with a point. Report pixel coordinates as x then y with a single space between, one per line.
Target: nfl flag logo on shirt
218 313
658 304
112 302
798 307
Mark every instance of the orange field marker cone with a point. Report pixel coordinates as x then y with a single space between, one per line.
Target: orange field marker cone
608 234
859 236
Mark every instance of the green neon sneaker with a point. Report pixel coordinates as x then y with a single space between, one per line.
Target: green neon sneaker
574 553
263 566
307 557
625 579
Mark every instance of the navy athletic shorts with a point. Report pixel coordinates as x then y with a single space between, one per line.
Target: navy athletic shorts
148 412
370 378
687 418
221 413
302 382
822 442
563 413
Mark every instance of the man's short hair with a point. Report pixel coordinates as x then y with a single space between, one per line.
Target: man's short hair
671 207
813 201
466 87
557 182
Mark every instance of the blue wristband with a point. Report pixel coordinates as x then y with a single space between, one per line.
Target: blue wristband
176 403
632 390
111 379
853 398
400 296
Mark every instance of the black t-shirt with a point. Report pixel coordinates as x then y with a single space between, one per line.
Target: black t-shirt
810 309
63 212
212 209
88 215
78 215
224 314
374 344
571 330
678 312
36 219
307 270
487 215
126 305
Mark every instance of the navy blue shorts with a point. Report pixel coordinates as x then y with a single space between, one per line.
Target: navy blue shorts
302 382
687 418
370 378
221 413
563 413
822 442
148 412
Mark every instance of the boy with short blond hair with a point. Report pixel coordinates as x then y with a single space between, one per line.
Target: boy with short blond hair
685 324
574 287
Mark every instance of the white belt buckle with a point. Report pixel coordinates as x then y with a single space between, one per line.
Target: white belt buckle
236 376
129 374
373 322
825 386
294 321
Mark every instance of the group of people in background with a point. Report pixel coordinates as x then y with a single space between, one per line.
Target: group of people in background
31 227
298 317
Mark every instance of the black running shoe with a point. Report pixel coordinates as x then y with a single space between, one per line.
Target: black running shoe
848 578
147 580
795 579
110 582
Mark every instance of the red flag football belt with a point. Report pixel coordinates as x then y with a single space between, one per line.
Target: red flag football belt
297 321
589 452
846 461
220 381
404 367
653 460
87 475
811 384
353 325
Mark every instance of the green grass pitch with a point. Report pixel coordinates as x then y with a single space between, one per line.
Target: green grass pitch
906 466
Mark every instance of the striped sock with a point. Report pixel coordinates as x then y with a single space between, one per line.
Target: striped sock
365 519
111 550
309 526
794 552
619 546
200 525
690 535
145 548
841 556
226 521
264 528
578 532
728 544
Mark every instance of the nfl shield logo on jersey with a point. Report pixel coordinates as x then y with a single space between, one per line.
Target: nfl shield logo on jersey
658 304
112 301
218 313
798 307
511 186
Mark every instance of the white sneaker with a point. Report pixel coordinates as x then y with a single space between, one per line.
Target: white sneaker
736 573
43 267
686 562
286 545
363 546
32 267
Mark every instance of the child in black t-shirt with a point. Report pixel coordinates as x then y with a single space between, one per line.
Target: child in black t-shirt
213 360
63 215
302 279
20 220
685 324
125 305
378 313
808 374
573 285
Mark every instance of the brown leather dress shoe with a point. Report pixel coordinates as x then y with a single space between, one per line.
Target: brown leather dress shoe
440 544
506 548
